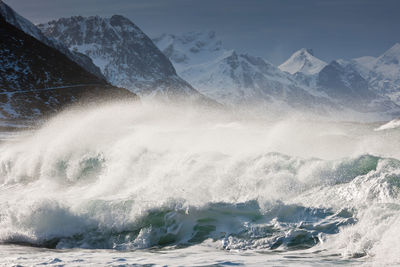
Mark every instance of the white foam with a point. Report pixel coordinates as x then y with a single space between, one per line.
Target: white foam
99 170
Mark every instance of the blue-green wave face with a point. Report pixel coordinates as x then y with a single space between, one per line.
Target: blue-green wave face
234 226
126 178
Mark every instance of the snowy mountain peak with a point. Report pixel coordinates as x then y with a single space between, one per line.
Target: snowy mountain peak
116 45
384 71
395 48
305 52
303 61
310 51
391 56
190 48
230 77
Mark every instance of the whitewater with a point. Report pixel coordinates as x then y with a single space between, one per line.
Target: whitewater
156 184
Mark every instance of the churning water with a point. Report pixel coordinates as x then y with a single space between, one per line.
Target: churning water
151 184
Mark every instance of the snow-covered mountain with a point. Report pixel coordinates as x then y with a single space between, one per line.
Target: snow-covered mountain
189 49
232 78
125 55
29 28
346 83
382 72
303 61
37 79
387 65
117 50
347 86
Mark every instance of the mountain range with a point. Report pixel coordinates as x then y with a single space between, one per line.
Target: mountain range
367 85
53 64
382 72
236 79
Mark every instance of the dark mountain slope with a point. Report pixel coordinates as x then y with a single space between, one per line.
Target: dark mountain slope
36 79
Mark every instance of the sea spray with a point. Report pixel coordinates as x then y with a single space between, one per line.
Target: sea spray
123 176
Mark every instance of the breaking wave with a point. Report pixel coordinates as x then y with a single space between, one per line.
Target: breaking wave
130 177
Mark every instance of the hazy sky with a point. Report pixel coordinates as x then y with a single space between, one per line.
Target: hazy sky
272 29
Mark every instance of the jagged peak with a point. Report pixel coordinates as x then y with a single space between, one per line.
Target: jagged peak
92 29
396 47
305 51
394 51
390 58
118 20
310 51
303 61
114 20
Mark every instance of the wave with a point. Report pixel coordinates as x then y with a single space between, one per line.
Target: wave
123 177
235 226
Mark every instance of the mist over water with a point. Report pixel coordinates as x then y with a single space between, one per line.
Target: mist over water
129 176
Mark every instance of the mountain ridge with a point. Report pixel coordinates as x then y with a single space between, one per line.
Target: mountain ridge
234 78
29 28
125 55
37 80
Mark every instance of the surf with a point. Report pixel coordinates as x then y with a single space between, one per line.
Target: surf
130 177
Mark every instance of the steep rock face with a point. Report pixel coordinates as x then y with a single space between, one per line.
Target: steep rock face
125 55
303 61
233 78
36 79
29 28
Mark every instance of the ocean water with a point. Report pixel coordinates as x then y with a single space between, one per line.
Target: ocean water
122 184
